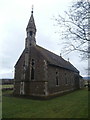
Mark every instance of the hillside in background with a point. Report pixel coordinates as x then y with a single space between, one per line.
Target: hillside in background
86 78
6 81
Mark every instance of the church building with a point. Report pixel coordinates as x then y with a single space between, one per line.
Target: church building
39 72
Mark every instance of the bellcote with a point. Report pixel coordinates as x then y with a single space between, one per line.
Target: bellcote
31 27
31 31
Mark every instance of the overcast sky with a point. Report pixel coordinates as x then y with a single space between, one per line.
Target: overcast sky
14 17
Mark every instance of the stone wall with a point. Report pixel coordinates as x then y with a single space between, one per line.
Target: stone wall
19 68
48 79
66 80
34 86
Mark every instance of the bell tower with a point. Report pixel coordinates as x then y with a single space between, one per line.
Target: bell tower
31 32
30 39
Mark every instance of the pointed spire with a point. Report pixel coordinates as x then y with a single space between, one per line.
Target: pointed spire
31 31
31 23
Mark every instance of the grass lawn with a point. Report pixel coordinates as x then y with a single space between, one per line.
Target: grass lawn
72 105
0 87
7 86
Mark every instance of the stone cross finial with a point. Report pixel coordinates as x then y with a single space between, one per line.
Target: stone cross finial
68 59
60 54
32 9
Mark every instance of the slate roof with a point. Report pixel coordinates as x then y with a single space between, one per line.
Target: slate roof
52 59
56 60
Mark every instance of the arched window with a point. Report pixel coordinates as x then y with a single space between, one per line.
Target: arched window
57 81
32 69
32 73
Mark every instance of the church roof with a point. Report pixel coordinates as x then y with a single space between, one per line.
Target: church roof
52 59
56 60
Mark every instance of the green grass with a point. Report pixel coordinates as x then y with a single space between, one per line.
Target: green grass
0 87
7 86
72 105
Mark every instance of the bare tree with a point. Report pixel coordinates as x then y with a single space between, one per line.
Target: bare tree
76 28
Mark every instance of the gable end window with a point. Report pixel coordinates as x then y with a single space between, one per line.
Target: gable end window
32 74
32 69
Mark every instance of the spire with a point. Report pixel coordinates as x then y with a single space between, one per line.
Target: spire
31 23
31 31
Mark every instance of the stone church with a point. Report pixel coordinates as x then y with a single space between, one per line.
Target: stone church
39 72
